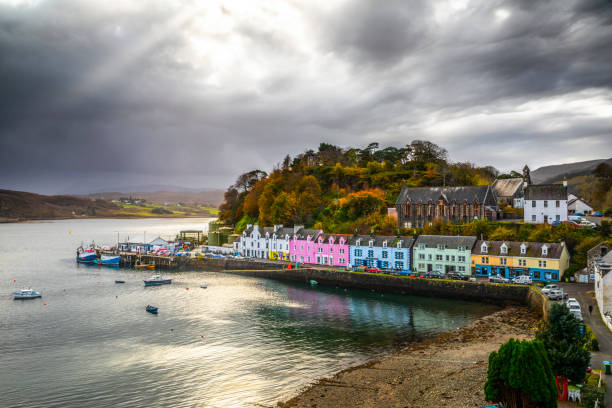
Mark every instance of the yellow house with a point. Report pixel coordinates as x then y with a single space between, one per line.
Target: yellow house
539 260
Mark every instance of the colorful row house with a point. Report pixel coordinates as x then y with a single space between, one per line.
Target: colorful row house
302 245
265 243
540 261
279 243
442 254
384 252
332 250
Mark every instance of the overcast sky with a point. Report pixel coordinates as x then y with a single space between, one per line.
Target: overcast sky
95 94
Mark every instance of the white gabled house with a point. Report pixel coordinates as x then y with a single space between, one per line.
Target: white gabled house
255 243
577 205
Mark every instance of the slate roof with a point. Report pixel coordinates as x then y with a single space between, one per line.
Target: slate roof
379 239
534 249
281 232
304 232
336 238
450 242
507 187
546 192
457 194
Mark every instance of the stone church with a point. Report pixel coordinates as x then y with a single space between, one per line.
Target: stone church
420 206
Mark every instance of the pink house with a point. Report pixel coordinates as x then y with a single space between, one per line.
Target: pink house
302 245
332 250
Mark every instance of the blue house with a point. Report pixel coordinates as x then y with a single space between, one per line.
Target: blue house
384 252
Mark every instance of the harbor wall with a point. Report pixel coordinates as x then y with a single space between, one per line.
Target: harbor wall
499 294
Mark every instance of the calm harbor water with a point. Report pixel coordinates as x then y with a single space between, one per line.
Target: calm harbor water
240 342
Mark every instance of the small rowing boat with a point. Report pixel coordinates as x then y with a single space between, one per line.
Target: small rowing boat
151 309
26 294
157 280
144 266
119 281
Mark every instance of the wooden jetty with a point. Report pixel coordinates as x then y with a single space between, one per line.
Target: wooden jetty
129 259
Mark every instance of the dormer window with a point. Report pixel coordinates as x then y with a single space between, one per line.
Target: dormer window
399 244
384 244
358 242
504 248
484 248
523 249
371 243
544 250
440 246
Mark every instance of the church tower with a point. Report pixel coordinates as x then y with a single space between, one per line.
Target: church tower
526 176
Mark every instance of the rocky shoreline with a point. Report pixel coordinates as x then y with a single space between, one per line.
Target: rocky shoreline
448 370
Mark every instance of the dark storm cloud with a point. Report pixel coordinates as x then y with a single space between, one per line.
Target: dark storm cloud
142 92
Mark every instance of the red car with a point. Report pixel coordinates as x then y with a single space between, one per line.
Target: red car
373 269
570 223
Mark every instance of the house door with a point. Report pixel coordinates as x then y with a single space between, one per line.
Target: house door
546 219
429 268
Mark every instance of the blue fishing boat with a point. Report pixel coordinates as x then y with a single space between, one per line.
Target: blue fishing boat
108 260
119 281
151 309
157 280
86 255
203 286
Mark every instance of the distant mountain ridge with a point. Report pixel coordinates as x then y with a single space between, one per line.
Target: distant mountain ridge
551 174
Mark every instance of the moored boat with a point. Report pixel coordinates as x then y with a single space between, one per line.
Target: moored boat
138 264
86 255
108 260
151 309
26 294
157 280
119 281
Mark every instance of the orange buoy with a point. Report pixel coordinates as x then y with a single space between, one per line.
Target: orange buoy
45 303
186 288
201 335
14 280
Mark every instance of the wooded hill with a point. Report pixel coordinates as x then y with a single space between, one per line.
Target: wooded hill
343 190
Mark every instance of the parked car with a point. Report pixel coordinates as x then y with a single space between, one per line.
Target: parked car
457 276
556 294
587 223
555 222
434 275
498 279
575 218
597 214
577 314
573 307
373 269
548 288
523 280
572 300
574 223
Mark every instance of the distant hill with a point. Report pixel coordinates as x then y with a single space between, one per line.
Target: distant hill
19 205
551 174
209 198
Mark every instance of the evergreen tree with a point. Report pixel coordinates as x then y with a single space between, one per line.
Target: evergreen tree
520 375
566 348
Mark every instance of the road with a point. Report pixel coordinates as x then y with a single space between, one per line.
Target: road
604 337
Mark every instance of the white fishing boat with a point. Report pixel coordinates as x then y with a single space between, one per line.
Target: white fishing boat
26 294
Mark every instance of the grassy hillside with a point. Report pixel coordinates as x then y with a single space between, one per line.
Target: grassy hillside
18 205
209 198
551 174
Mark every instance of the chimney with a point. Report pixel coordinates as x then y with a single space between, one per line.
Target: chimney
564 181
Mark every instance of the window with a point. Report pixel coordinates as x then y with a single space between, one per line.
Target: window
371 243
438 267
533 218
461 248
542 264
399 255
523 249
447 258
370 253
484 248
452 258
421 266
384 244
522 262
320 250
545 204
504 249
440 246
384 254
438 257
429 257
399 265
557 204
544 250
421 256
331 250
533 204
341 250
485 259
461 268
341 261
558 217
503 261
358 252
421 246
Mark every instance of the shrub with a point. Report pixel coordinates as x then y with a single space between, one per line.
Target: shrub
590 394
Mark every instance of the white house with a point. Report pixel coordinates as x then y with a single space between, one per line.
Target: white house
603 287
279 242
577 205
545 203
254 243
